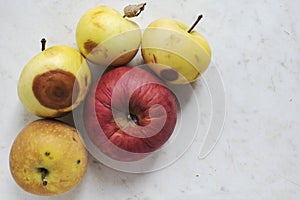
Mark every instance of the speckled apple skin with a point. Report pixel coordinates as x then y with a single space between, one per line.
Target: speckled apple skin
52 145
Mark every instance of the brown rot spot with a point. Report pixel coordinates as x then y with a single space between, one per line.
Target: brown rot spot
55 89
90 45
169 74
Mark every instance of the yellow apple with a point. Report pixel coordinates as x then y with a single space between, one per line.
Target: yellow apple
106 37
54 82
48 157
175 52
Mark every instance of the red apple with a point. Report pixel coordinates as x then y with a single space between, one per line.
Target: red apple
129 113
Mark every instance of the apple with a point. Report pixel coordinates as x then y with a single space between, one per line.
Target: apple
48 157
54 82
129 113
106 37
175 52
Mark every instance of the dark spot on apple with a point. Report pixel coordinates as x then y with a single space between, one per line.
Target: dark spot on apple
55 89
154 59
89 45
78 162
85 81
47 153
74 139
169 74
197 58
197 75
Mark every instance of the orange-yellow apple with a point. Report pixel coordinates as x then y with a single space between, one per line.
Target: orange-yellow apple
48 157
54 82
175 52
105 37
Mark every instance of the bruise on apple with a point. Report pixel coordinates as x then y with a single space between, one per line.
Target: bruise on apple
197 75
169 74
92 47
89 45
86 81
154 59
55 89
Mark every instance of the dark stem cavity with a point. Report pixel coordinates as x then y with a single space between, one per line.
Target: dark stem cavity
133 118
195 23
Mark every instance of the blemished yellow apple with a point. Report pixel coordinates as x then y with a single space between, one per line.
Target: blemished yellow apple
54 82
48 157
174 51
106 37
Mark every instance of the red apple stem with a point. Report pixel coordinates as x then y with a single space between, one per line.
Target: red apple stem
195 23
43 41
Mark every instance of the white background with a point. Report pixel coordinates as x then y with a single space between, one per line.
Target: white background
256 46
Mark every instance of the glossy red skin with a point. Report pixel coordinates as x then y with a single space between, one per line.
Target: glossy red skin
142 90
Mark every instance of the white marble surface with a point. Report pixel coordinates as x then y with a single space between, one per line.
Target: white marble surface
256 46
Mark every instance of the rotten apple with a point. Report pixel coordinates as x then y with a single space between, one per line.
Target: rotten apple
174 51
106 37
54 82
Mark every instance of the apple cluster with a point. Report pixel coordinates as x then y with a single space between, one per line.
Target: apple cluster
128 112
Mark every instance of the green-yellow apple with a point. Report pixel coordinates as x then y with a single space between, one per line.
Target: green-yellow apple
106 37
54 82
175 52
48 157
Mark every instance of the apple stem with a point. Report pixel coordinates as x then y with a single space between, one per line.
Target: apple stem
44 180
195 23
43 41
133 10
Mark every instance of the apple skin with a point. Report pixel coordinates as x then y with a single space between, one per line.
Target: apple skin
106 38
52 145
129 113
54 82
175 55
